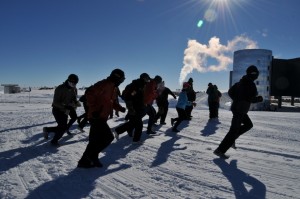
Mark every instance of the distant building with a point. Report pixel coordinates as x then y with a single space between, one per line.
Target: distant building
11 88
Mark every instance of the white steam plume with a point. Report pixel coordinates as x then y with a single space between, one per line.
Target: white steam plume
196 55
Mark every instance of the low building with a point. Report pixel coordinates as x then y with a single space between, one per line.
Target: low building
11 88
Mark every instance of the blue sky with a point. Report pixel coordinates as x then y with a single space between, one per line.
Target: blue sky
43 41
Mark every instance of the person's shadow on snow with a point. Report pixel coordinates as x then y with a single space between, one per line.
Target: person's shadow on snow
77 184
26 127
14 157
210 128
166 148
80 182
238 179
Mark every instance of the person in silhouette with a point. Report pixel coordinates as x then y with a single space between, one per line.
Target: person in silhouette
150 94
191 94
82 120
180 107
214 96
163 102
243 93
101 99
63 102
133 95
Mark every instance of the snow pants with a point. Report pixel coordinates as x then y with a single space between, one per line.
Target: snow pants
62 119
73 117
181 116
240 124
84 118
188 110
99 138
151 112
135 123
162 112
213 109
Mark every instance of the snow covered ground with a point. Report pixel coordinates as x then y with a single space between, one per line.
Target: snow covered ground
170 165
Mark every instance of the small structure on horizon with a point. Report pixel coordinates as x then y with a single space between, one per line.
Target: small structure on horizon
11 88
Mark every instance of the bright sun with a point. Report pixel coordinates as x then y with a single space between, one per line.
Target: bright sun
218 8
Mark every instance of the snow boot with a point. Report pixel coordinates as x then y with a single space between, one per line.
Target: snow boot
217 152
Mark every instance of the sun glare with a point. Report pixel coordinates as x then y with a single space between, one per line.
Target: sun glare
220 6
221 11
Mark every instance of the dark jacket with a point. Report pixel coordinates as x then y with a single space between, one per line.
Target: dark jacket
133 95
191 94
243 94
162 99
214 94
64 95
211 93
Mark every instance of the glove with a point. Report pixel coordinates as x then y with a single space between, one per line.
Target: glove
123 110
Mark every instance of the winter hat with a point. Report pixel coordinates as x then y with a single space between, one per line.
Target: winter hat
191 80
73 78
145 77
209 84
157 79
252 72
117 76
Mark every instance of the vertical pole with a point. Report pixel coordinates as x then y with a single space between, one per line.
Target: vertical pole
29 94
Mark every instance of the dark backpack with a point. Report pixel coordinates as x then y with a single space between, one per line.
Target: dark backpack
126 93
191 94
83 97
233 91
